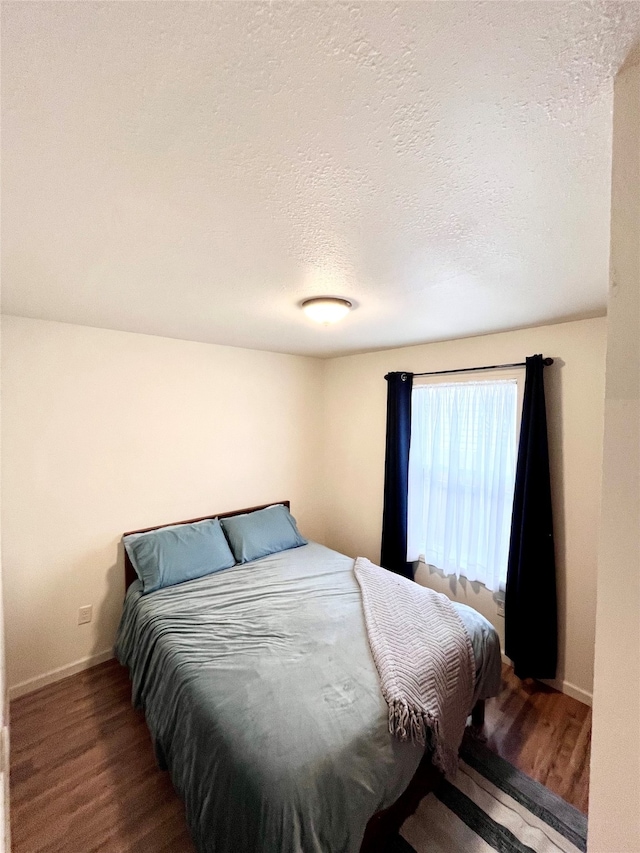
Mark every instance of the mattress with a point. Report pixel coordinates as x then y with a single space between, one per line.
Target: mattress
263 702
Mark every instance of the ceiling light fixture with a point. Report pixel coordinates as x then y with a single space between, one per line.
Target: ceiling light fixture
326 309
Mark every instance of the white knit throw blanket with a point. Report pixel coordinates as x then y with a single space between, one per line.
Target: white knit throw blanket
424 659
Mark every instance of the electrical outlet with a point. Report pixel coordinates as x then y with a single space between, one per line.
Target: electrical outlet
85 614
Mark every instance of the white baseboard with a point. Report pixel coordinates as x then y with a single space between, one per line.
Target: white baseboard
571 690
563 686
58 674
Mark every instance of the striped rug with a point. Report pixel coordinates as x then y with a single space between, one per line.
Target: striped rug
492 806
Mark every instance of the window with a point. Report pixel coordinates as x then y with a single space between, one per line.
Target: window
461 477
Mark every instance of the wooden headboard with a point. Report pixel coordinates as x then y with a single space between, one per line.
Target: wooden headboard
130 572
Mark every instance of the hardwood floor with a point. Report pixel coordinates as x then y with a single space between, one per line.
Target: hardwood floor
544 733
83 772
84 777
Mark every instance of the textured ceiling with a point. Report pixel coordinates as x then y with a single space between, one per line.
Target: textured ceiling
195 169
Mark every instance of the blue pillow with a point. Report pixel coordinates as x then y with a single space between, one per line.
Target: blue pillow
178 553
265 531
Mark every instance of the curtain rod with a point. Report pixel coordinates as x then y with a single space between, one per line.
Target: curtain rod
545 361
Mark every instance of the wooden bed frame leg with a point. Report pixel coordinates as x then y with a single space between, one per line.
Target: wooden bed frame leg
384 825
477 714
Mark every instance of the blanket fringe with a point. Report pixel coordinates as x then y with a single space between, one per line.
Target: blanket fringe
408 723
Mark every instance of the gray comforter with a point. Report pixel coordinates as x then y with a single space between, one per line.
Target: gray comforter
263 701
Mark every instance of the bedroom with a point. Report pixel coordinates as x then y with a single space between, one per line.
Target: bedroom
137 392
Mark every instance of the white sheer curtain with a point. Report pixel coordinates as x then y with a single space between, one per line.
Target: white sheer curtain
461 477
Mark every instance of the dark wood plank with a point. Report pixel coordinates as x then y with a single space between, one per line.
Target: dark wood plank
84 777
83 772
544 733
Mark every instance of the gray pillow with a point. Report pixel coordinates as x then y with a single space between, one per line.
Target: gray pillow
265 531
178 553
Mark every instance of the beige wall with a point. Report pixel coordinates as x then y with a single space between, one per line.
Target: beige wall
614 803
108 431
355 393
104 432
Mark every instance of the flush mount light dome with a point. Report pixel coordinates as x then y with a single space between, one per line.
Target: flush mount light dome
326 309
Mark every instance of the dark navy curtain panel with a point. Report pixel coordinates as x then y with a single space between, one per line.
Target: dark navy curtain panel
396 474
531 619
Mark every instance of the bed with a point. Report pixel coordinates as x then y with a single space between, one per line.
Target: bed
263 702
